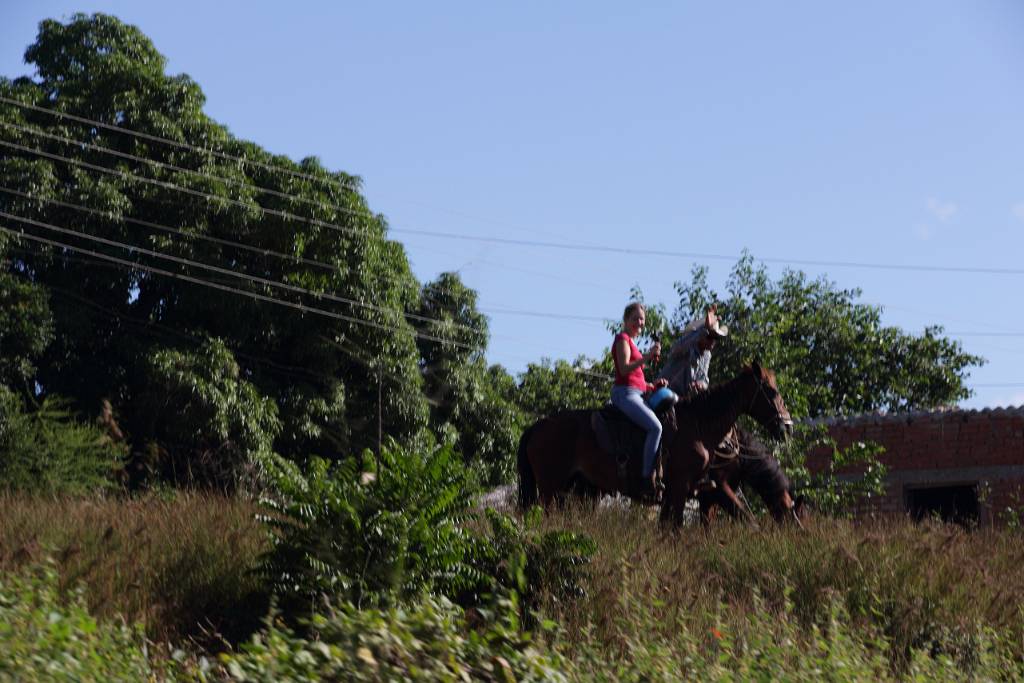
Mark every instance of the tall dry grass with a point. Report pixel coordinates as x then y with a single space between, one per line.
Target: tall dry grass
923 587
179 564
656 601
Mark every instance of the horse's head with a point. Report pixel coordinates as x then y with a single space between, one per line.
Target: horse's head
766 404
789 509
761 470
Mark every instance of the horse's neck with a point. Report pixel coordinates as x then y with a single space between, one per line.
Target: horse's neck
716 425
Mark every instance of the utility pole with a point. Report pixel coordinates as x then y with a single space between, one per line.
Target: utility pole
380 420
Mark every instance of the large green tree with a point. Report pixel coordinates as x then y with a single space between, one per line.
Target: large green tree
467 396
108 321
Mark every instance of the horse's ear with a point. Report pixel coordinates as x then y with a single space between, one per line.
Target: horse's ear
756 367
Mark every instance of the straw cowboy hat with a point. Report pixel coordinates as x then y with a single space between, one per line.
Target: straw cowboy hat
718 330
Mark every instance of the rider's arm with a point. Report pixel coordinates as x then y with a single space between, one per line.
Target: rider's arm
621 351
682 347
693 332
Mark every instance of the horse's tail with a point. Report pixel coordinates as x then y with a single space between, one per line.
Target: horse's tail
527 480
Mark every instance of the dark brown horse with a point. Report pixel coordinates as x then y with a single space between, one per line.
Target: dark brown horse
753 465
558 451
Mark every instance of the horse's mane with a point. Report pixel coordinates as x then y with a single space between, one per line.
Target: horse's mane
714 401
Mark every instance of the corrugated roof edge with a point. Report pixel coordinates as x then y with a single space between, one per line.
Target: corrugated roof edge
938 415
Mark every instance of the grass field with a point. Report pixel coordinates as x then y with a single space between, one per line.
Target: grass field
881 598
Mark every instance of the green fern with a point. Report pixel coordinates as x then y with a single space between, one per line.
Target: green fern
371 542
48 451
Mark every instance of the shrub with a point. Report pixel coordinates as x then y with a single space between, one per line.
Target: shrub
519 565
208 425
369 539
425 641
47 451
45 637
826 491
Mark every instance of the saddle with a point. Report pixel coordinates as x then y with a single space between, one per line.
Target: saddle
730 446
623 440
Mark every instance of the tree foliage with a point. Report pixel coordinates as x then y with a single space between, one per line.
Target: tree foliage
108 322
831 353
550 386
46 450
208 425
26 328
467 396
287 379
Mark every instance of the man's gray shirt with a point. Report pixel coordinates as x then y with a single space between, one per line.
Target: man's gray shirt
687 363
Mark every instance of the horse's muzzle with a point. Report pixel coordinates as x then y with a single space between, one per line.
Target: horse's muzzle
783 429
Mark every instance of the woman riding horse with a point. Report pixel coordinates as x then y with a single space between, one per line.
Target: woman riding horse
630 387
558 450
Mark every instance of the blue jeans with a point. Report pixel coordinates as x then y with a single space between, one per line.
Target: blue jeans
631 402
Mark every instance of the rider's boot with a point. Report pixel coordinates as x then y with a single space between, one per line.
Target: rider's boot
650 487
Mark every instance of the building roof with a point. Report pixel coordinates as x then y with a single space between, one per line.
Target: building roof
939 415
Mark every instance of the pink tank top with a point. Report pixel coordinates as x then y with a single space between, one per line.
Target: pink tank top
635 378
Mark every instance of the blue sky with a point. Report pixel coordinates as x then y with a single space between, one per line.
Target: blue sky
870 131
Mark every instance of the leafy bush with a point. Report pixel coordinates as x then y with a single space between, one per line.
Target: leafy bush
521 565
46 451
1013 514
427 641
369 539
46 637
26 328
826 491
209 426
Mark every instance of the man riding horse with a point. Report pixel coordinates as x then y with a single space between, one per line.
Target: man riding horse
689 361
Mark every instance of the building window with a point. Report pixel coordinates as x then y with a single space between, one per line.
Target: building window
957 504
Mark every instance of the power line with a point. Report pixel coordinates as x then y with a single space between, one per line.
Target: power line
373 365
326 266
706 256
281 367
985 334
109 215
156 329
237 274
175 143
233 273
524 243
362 213
197 193
243 160
164 228
254 295
180 169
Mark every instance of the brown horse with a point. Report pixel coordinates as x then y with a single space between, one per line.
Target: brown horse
751 464
558 451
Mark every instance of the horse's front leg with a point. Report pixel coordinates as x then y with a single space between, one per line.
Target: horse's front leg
682 472
733 505
708 505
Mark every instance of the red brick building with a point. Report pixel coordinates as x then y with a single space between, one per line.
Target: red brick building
961 464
